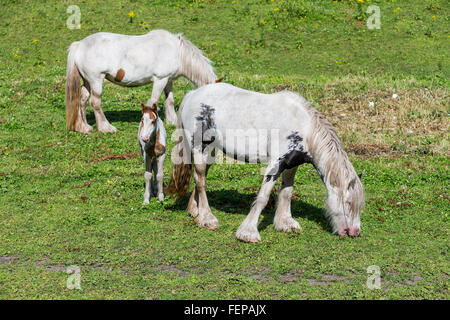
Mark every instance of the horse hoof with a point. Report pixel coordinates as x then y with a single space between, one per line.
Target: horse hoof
107 128
193 213
248 236
287 225
85 128
161 197
210 224
145 202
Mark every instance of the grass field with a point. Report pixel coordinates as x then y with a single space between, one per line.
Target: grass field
72 199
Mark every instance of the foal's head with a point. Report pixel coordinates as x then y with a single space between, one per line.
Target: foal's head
148 125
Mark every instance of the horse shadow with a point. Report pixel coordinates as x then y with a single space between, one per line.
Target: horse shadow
123 116
234 202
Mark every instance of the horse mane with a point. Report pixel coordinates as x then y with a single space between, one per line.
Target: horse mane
194 65
332 161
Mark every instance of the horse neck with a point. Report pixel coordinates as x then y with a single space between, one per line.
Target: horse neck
194 65
328 156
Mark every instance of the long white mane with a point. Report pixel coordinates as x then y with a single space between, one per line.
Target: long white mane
194 65
332 162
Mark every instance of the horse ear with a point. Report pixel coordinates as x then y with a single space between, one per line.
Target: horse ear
360 176
219 80
142 107
154 108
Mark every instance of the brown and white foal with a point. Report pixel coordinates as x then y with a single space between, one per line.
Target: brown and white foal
152 140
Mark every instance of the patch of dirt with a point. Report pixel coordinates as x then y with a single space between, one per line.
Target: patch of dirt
369 149
173 269
262 275
408 282
414 280
280 87
9 259
43 264
159 268
327 279
292 275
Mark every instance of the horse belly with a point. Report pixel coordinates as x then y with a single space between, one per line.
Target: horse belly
133 80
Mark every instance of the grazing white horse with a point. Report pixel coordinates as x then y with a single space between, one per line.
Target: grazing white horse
152 140
281 129
130 61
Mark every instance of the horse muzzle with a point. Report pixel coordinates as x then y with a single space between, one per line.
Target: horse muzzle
349 231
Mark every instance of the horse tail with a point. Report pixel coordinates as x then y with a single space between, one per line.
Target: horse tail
73 91
194 65
180 177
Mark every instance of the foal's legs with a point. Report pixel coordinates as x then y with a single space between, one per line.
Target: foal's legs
160 176
147 177
96 103
283 220
171 116
248 231
205 218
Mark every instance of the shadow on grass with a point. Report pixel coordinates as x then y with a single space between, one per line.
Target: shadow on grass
234 202
124 115
117 116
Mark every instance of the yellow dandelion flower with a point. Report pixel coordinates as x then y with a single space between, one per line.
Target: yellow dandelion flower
360 1
276 9
233 2
131 14
35 40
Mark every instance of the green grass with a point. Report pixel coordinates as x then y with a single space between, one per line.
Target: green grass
62 204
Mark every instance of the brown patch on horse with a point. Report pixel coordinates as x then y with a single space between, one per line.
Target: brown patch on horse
159 148
152 111
140 128
119 75
219 80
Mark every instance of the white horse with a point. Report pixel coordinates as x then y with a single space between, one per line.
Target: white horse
152 140
281 129
130 61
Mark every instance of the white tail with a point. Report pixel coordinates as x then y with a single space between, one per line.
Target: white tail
73 93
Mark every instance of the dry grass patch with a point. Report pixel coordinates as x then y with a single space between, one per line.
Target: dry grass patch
416 120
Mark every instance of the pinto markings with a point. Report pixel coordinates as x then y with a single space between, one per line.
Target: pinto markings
159 148
119 75
205 123
295 156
